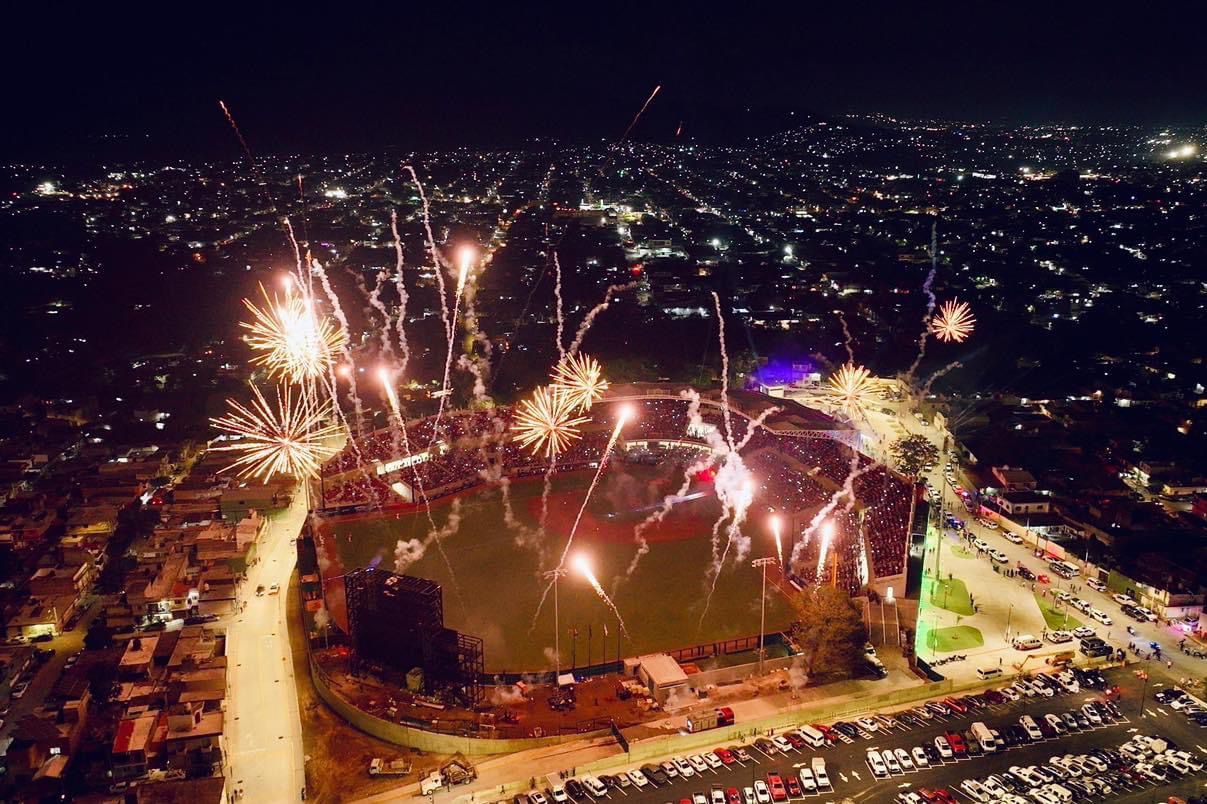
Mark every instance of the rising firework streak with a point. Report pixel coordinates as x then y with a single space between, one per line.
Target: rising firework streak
640 112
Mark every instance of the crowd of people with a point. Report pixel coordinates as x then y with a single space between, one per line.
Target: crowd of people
795 473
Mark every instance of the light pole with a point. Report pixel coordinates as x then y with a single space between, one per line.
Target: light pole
763 563
1144 689
554 575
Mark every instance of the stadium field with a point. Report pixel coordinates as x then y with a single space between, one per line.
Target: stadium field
490 571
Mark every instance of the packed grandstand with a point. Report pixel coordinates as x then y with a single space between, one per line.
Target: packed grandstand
800 459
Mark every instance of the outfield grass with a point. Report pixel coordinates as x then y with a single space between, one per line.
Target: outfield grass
498 577
951 595
1055 617
954 638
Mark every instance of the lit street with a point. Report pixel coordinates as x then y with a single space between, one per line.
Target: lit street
264 732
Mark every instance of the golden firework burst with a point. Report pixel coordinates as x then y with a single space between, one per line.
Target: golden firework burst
581 379
291 339
954 322
288 438
850 388
547 422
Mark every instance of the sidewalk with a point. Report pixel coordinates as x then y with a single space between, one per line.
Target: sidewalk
1005 608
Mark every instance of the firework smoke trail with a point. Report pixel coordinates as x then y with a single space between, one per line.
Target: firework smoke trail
724 369
557 295
779 543
547 489
437 264
431 245
640 112
643 546
847 491
580 564
827 542
400 285
847 340
955 364
603 462
930 301
718 449
589 319
375 303
478 366
305 278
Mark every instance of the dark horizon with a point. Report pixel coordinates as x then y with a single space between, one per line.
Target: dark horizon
359 82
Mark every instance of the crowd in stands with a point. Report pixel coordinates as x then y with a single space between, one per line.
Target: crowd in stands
795 474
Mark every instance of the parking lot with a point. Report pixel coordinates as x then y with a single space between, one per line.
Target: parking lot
850 775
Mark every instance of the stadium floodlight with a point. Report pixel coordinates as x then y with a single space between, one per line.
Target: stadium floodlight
763 563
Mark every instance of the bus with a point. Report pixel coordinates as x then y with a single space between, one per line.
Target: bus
985 737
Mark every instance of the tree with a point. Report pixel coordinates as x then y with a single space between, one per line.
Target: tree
98 636
829 630
913 453
102 682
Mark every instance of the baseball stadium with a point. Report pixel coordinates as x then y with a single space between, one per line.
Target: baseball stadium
459 503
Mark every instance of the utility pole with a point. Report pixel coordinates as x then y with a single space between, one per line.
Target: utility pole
763 563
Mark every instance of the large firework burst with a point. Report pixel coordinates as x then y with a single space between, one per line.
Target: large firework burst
286 439
954 322
850 388
292 340
580 379
547 422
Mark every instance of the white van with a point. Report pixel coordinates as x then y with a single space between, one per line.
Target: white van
1031 727
812 736
983 736
1026 642
986 673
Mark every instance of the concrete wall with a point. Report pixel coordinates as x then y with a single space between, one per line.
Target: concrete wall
434 742
737 672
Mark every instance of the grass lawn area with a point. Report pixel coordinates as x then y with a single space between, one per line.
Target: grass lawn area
953 596
954 638
960 551
1054 614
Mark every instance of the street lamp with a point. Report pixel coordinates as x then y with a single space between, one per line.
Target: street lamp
763 563
1144 689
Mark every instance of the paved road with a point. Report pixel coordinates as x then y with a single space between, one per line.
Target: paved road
46 675
263 730
847 767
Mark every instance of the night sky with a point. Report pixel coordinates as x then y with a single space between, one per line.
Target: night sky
357 76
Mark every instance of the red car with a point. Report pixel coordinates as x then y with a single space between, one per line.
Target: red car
940 796
994 697
779 792
732 796
797 741
956 741
958 706
826 731
794 786
725 755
